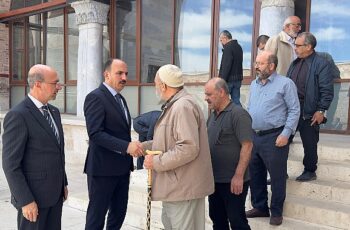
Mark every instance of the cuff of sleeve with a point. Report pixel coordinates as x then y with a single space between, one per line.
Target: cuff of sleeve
286 132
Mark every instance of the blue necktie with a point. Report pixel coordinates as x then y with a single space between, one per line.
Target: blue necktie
47 116
120 103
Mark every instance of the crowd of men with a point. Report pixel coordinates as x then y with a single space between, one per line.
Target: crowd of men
221 157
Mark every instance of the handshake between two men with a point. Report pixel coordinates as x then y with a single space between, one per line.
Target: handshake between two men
135 149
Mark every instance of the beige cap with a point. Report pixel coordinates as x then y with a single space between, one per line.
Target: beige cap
171 75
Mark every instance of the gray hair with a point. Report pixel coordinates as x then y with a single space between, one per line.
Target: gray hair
219 84
34 76
273 59
226 33
309 39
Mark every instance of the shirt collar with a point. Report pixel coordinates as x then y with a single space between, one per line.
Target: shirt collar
289 38
36 102
110 89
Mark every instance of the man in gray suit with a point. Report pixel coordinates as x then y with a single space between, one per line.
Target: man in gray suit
33 154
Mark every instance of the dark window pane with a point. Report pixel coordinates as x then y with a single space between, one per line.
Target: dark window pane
17 51
192 39
73 43
55 42
71 97
35 44
125 27
157 23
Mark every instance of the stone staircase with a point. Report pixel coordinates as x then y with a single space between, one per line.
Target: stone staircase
320 204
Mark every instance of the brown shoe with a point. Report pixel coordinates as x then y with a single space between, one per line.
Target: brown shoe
276 220
256 213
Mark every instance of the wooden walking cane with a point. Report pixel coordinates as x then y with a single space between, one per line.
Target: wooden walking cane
149 189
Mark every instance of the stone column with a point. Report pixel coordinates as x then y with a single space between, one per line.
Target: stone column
90 17
272 15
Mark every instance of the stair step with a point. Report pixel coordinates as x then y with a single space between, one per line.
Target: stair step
335 191
325 213
288 224
326 169
339 152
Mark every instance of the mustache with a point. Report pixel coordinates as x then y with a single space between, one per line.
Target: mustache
122 82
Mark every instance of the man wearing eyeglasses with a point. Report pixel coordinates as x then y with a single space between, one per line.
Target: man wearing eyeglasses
314 80
33 154
274 108
282 44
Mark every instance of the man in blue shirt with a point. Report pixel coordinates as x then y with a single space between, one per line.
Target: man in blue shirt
274 108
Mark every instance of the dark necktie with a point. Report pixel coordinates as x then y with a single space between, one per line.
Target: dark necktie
121 105
47 116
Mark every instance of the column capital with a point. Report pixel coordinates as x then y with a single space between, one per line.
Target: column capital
88 11
280 3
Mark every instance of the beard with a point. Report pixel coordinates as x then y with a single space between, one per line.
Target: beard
262 75
159 97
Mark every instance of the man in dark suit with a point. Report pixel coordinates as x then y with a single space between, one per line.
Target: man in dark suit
109 158
33 154
231 69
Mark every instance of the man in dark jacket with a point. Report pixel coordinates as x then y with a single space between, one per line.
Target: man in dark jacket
312 75
144 126
33 154
231 65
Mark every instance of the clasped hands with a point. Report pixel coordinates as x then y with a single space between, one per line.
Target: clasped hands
135 149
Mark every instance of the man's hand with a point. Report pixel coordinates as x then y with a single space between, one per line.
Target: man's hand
317 118
281 141
135 149
65 193
237 184
30 211
148 163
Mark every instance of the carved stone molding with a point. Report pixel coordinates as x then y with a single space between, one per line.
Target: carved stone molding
277 3
88 11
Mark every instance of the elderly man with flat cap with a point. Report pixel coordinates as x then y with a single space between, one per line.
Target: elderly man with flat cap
183 174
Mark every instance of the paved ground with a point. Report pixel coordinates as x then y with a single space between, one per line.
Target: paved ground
72 218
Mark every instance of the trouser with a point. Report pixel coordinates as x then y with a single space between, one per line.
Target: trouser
235 91
309 136
225 207
48 218
267 157
184 215
107 193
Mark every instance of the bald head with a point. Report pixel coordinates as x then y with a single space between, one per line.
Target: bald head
219 84
217 94
292 26
265 65
37 73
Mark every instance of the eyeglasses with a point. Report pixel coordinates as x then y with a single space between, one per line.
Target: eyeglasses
298 45
53 83
295 24
261 63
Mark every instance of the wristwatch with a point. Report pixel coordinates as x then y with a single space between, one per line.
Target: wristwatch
321 111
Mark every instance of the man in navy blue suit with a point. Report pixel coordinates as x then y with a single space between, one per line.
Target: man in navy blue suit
109 158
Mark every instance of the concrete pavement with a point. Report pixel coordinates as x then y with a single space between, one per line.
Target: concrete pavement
72 218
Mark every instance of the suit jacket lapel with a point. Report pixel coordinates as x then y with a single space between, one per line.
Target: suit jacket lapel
40 118
115 104
127 110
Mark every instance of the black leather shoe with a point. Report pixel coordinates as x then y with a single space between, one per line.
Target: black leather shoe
306 176
276 220
252 213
